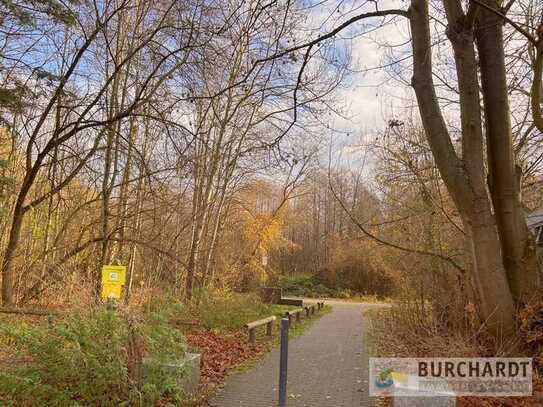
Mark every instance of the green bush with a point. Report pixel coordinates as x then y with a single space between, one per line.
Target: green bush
164 345
306 285
83 359
302 285
225 310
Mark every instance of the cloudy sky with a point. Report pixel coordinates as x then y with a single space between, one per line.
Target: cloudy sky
380 55
375 88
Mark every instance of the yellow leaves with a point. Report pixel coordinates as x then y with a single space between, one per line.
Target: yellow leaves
265 230
5 146
5 140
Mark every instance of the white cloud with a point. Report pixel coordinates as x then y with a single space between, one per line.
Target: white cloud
371 92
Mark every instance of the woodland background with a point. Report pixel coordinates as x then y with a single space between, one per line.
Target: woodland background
209 146
190 140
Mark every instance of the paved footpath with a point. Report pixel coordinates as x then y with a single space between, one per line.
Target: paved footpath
328 367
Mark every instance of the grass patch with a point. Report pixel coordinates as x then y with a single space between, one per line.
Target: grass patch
226 311
373 340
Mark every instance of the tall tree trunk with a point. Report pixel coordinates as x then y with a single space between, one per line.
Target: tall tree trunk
465 185
207 276
139 215
111 159
124 192
196 221
518 250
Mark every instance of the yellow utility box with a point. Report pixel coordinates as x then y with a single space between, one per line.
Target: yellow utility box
113 279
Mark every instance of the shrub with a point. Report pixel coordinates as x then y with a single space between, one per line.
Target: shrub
302 285
404 331
224 310
84 359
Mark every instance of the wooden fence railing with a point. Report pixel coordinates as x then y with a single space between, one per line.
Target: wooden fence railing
296 313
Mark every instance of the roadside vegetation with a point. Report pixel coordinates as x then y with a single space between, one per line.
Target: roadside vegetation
98 356
406 330
227 311
90 357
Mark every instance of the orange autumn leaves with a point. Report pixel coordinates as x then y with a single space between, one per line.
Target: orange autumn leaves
265 232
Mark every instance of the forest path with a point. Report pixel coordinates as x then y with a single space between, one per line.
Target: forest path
327 367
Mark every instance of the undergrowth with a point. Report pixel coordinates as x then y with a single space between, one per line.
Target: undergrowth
92 356
87 359
401 331
311 286
228 311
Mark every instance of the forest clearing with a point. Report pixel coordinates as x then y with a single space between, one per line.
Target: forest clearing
185 185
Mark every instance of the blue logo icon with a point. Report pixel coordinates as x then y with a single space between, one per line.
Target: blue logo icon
384 379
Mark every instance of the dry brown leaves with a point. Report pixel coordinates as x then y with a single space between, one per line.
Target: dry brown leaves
409 342
531 329
220 353
535 401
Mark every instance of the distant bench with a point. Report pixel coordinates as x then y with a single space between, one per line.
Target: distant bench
291 301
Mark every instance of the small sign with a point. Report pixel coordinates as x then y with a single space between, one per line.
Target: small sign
264 261
113 279
113 274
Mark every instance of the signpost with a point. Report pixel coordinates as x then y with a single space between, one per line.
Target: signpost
283 362
113 280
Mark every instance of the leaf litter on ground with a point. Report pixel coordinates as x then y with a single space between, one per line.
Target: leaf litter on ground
220 353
